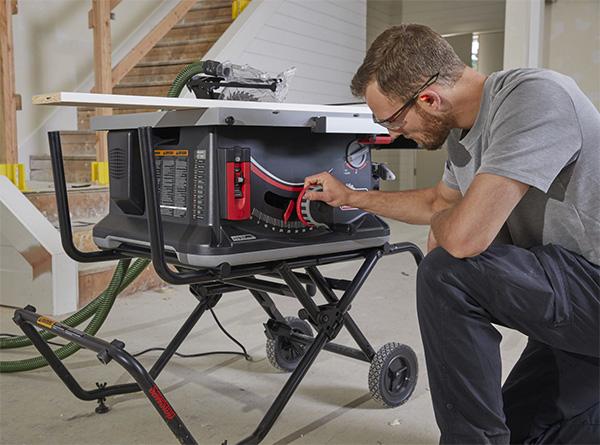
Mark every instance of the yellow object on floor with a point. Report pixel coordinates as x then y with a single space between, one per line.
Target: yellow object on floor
15 173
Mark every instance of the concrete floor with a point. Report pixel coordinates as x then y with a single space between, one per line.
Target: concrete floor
224 397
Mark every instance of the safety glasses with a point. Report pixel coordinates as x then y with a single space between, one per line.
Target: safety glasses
390 122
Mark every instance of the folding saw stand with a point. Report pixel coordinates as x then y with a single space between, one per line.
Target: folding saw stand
398 374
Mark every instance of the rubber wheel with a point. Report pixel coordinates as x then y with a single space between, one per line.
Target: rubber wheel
393 374
284 354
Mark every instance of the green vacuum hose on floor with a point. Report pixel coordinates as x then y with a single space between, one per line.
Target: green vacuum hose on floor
99 308
102 304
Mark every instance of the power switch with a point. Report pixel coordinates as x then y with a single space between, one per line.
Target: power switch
237 162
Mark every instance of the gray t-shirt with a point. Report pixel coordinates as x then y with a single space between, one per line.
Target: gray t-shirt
537 127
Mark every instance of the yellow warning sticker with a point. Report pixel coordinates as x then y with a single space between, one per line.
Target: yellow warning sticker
46 322
171 152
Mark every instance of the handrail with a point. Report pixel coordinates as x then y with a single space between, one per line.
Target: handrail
157 33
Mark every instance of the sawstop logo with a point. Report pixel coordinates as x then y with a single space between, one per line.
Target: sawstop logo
244 237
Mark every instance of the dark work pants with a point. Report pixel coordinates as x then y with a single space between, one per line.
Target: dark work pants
552 395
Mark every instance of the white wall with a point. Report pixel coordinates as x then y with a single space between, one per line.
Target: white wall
324 40
567 40
491 50
455 16
523 32
571 43
447 17
54 52
380 16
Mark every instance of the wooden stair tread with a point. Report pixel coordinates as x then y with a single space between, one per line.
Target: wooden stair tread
77 132
220 21
168 62
72 157
209 39
159 83
201 6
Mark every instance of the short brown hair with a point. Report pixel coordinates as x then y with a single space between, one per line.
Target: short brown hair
403 57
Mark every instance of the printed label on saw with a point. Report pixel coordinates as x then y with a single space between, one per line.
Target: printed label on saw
170 153
244 237
172 178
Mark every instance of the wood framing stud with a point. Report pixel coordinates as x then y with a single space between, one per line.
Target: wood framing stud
113 4
8 98
102 65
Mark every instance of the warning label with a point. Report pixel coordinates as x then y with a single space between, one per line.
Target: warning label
172 178
170 153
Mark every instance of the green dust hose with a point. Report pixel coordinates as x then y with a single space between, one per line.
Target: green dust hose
83 314
183 76
65 351
101 305
122 277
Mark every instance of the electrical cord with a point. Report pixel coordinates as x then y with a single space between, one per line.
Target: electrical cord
178 354
204 354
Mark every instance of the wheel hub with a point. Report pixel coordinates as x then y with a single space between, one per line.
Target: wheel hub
397 375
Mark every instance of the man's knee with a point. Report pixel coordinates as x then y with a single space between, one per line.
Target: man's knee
431 278
435 263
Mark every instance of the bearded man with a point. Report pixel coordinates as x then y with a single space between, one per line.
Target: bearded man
523 161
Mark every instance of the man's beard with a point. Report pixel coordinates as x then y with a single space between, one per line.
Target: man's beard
435 130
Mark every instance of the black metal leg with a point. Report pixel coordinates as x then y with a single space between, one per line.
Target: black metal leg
299 291
56 364
268 305
106 352
284 395
154 394
206 303
349 323
329 329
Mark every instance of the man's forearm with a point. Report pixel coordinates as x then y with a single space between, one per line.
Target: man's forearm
411 206
440 226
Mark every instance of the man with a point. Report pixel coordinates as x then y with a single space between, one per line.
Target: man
523 161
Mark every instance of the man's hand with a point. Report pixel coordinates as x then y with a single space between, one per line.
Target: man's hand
431 241
334 192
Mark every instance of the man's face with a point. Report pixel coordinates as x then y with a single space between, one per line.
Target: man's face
427 129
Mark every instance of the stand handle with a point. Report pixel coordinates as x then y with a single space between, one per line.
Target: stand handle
62 205
28 320
155 228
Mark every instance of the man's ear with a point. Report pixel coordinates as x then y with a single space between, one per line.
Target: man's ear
430 100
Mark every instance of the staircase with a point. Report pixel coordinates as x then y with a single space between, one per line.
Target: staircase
185 43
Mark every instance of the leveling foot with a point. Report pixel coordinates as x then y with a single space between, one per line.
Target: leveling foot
102 408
